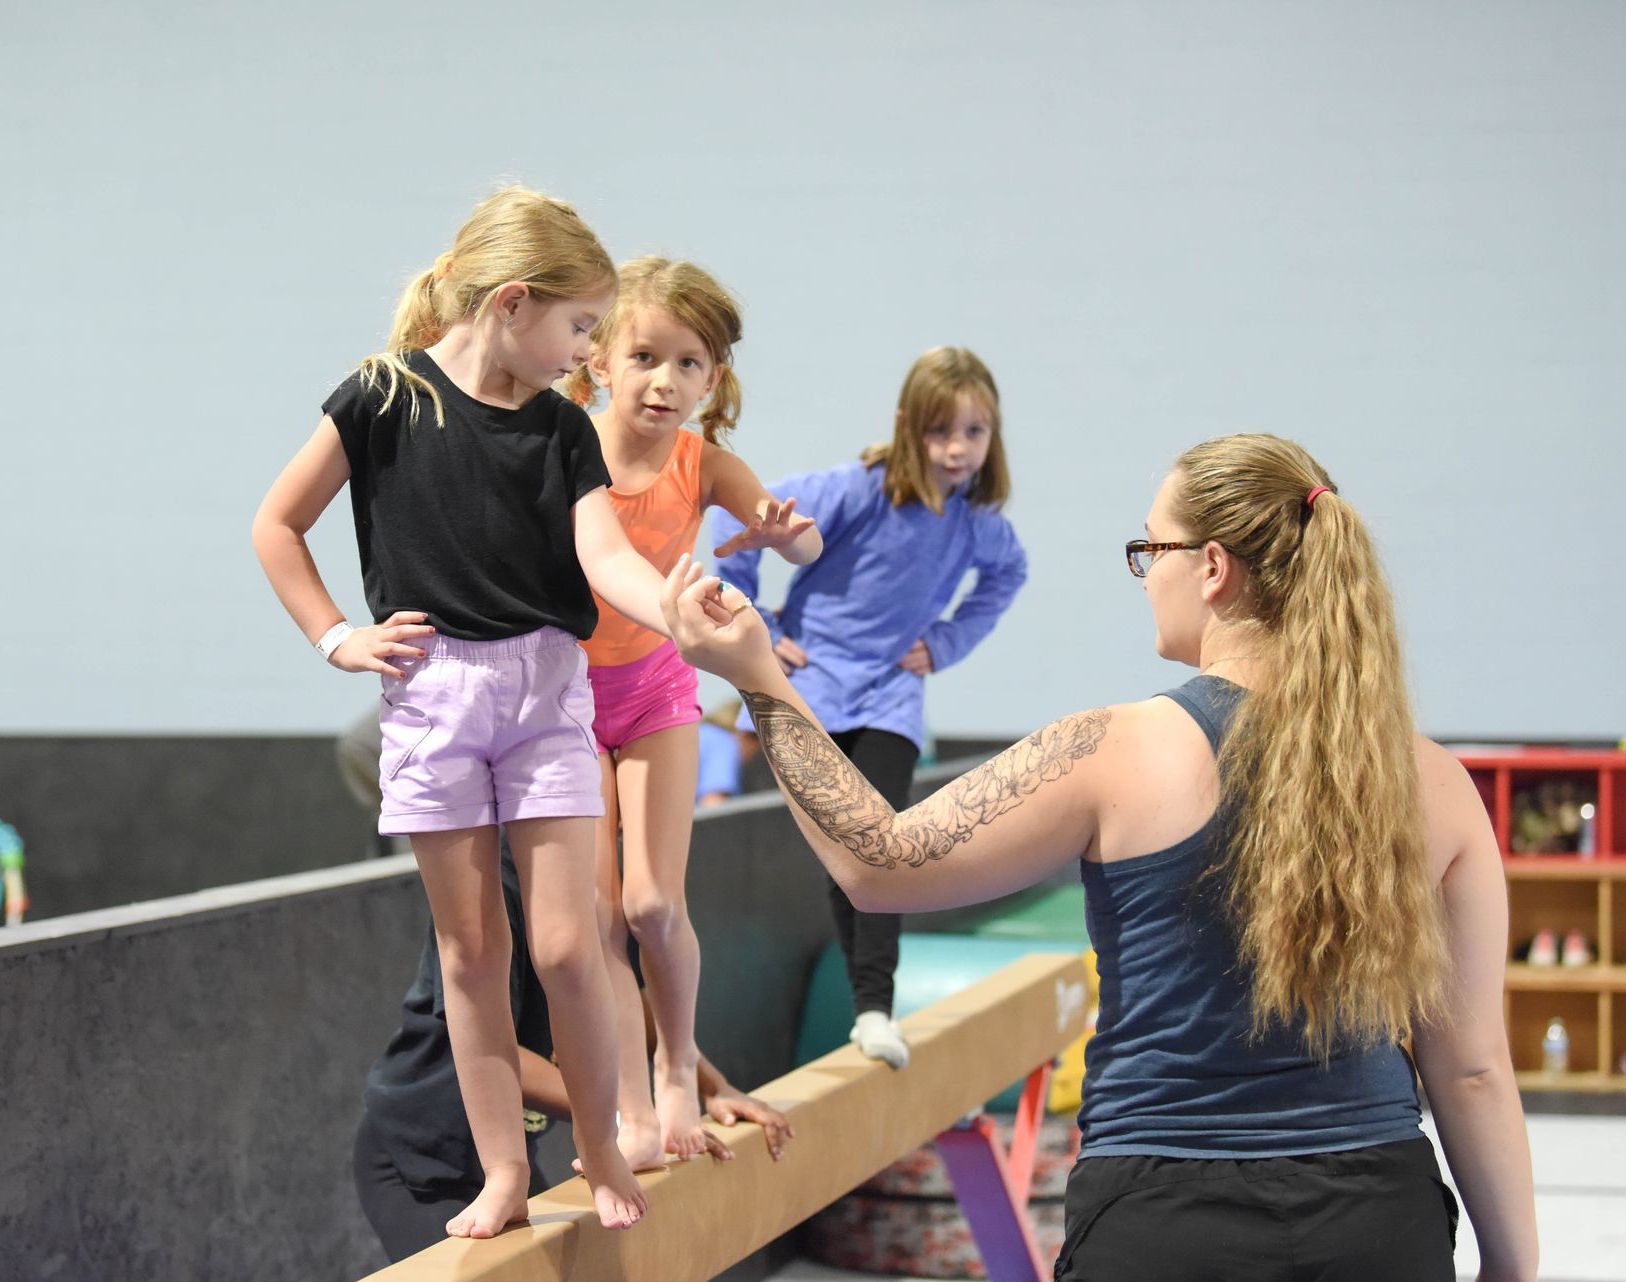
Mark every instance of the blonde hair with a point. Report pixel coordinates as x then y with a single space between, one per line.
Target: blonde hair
692 297
514 235
1327 877
927 398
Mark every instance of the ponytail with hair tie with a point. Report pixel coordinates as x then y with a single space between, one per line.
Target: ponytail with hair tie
515 234
580 387
1326 876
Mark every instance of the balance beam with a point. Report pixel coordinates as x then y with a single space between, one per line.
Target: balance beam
853 1116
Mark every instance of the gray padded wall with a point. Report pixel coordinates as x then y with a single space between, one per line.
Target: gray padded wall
182 1079
112 821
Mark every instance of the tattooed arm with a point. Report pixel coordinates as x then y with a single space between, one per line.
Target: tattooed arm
1004 825
998 828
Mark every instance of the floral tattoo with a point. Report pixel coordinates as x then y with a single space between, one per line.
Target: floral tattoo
828 787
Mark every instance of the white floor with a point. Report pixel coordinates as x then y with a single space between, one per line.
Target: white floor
1580 1168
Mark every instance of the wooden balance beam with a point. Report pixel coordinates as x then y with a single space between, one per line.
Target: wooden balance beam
853 1117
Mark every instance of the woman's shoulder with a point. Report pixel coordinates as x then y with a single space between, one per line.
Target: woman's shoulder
1441 774
1454 813
1146 727
1155 724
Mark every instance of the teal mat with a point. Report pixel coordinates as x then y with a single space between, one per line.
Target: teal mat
1054 913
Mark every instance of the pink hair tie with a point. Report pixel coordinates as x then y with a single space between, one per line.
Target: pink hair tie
1317 493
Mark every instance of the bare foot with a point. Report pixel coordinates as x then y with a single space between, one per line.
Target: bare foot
677 1103
639 1139
619 1201
501 1202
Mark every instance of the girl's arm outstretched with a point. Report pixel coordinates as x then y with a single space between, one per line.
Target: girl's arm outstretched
824 496
767 522
1002 826
296 499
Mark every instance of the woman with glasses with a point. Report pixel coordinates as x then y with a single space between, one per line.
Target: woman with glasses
1285 884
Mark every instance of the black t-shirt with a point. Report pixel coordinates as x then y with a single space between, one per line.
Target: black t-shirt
471 521
412 1096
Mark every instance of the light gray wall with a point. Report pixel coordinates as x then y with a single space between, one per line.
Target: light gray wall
1391 230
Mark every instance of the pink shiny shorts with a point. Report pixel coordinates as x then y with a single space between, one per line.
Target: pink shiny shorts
486 732
635 699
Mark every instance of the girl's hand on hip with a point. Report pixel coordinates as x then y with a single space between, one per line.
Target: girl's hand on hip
918 660
370 649
791 655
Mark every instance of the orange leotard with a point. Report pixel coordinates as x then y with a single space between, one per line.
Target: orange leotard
662 521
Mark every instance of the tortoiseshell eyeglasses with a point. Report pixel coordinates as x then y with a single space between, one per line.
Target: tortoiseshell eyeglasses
1140 554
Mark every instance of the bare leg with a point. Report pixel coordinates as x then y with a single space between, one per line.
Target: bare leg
639 1136
461 878
554 858
655 781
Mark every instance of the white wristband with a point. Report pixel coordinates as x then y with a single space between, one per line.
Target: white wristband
332 639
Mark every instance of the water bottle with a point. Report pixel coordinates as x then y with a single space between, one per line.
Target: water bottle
1586 840
1555 1047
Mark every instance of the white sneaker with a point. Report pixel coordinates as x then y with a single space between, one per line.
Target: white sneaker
877 1035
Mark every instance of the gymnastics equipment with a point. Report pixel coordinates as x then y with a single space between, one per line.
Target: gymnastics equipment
853 1116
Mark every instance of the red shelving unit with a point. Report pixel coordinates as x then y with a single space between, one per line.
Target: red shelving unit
1562 892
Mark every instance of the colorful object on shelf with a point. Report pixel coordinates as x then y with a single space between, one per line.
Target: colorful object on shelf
1548 816
1544 948
1577 886
1577 951
1555 1047
1587 843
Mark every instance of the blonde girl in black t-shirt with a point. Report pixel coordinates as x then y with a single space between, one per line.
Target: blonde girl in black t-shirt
482 517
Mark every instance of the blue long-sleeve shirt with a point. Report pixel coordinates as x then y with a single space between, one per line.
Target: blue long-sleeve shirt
882 583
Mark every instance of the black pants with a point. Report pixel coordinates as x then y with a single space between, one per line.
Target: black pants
406 1220
869 941
1357 1216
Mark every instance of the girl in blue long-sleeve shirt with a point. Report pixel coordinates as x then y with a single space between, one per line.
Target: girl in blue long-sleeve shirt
863 625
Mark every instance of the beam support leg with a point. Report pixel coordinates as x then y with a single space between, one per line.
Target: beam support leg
993 1189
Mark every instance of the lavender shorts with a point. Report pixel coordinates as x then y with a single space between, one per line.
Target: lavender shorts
486 732
635 699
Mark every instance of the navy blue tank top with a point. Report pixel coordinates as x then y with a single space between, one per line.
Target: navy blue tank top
1173 1068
